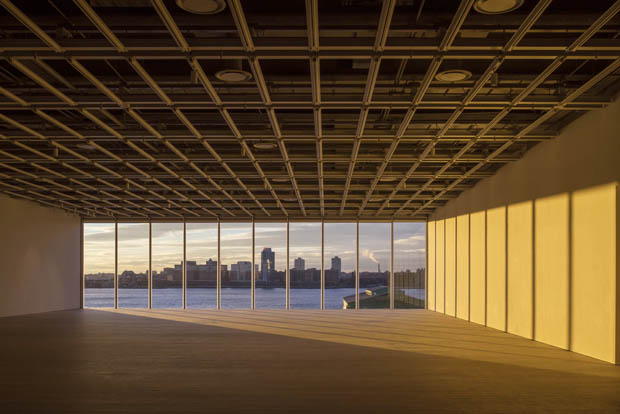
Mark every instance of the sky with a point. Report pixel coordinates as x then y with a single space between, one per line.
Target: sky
236 244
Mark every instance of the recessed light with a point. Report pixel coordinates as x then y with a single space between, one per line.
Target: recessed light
453 75
264 145
388 179
202 6
496 6
233 75
86 146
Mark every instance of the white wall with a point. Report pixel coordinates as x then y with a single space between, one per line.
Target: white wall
39 258
541 239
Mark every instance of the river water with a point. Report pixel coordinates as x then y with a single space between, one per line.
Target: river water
232 298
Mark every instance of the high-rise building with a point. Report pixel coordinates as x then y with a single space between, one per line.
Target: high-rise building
300 264
267 263
241 270
337 264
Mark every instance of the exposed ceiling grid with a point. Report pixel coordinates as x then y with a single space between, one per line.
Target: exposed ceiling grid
119 109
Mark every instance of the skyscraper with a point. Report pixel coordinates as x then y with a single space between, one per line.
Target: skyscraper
337 264
300 264
267 263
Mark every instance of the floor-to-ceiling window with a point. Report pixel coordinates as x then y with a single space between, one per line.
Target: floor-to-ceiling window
270 260
236 255
201 256
167 265
99 265
133 265
374 260
174 251
305 265
339 260
409 265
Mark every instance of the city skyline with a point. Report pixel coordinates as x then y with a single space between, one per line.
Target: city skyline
236 244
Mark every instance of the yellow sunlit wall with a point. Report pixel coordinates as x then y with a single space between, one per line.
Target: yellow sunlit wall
462 267
551 269
450 266
520 269
593 289
536 245
431 266
440 276
477 272
496 268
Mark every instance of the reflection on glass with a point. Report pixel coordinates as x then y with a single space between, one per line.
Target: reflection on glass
409 265
133 265
305 265
236 270
201 253
99 265
167 265
340 245
270 261
374 261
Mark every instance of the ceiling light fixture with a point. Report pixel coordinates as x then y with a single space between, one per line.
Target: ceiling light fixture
202 6
264 145
497 6
86 146
388 179
235 73
453 75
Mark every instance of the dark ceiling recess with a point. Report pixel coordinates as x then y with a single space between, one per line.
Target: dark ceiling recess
330 109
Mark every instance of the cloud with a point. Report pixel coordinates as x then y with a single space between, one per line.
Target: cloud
236 242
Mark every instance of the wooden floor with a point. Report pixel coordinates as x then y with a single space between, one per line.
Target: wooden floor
367 361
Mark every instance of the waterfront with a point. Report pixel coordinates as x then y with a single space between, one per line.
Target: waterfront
232 298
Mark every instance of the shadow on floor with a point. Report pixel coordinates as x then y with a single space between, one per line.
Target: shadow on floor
93 361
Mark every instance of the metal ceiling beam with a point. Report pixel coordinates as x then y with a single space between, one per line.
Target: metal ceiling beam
92 15
57 160
387 10
446 43
418 48
246 39
529 21
138 165
605 72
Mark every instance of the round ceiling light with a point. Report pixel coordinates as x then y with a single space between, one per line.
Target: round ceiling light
233 75
202 6
453 75
388 179
264 145
496 6
89 147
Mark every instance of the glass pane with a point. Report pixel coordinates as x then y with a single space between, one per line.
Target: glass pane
236 246
99 265
374 265
305 265
133 265
340 265
201 253
167 265
270 257
409 265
